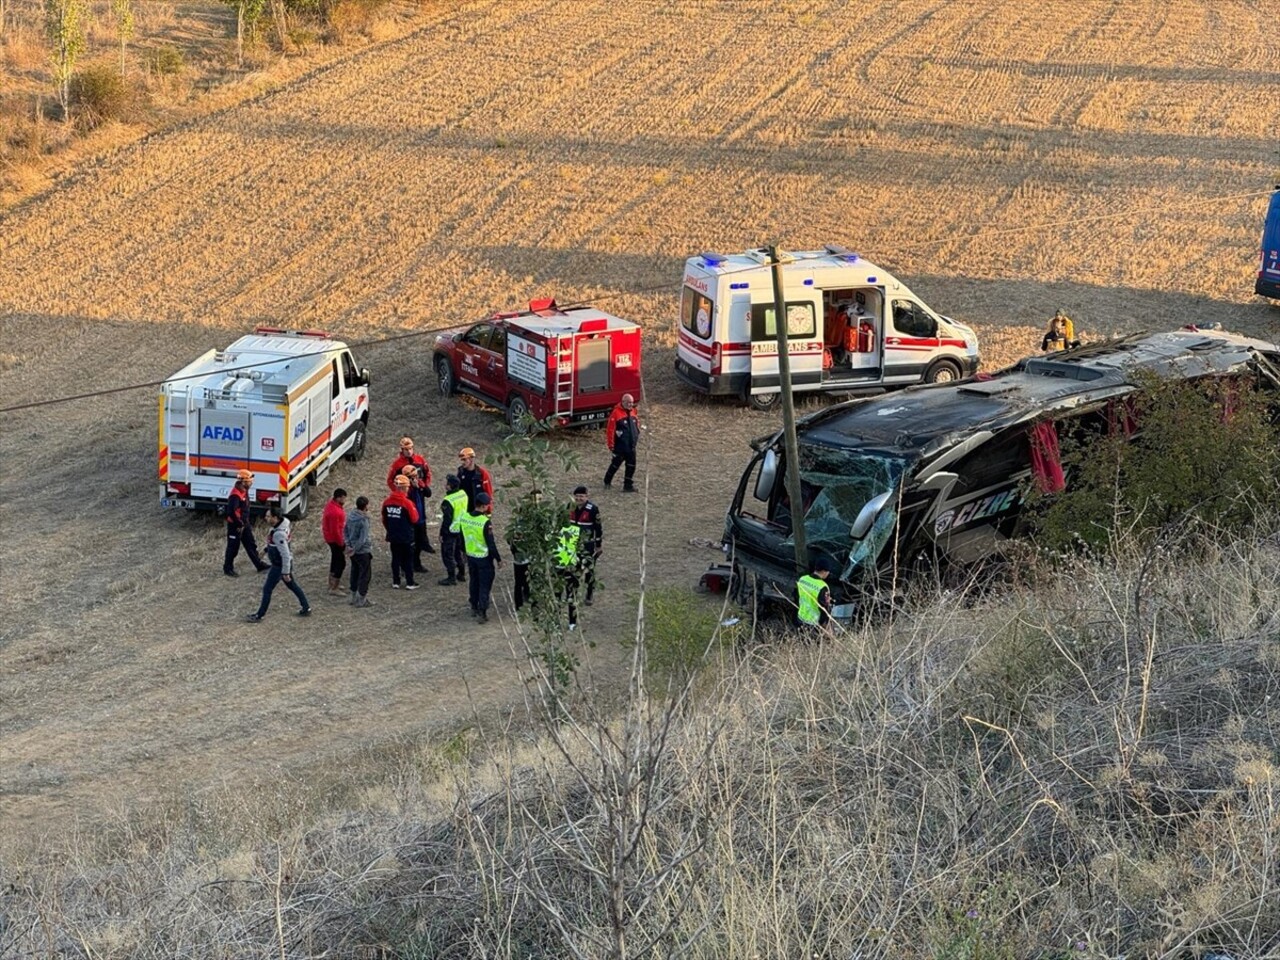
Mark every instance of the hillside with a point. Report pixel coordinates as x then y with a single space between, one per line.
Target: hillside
1005 160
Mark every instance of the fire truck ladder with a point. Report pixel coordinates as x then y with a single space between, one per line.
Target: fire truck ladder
563 346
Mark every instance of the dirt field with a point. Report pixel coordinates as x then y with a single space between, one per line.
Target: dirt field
1005 159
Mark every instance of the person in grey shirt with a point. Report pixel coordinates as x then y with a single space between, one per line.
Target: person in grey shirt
281 559
359 544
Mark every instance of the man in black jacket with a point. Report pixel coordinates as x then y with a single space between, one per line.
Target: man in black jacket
240 526
590 537
622 433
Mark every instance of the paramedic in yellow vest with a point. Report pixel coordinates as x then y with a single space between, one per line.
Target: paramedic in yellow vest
813 599
568 565
482 553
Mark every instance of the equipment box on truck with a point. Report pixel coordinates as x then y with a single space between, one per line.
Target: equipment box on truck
1268 284
939 475
851 325
284 404
567 366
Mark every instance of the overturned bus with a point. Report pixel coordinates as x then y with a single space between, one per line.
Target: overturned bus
941 472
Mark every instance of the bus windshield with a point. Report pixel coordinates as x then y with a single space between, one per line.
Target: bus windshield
836 484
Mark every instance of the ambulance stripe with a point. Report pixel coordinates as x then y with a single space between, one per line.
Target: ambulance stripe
164 463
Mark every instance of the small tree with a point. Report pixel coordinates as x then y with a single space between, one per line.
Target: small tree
248 13
64 23
122 12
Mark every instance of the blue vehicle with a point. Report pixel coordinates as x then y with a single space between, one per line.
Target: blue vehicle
1268 284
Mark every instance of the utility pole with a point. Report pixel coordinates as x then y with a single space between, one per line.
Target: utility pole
790 443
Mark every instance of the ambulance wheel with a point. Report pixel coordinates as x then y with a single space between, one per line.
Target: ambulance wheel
942 371
763 401
518 415
304 502
444 376
356 453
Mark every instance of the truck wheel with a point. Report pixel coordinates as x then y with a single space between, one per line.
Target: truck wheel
942 371
356 452
304 502
518 415
444 376
763 401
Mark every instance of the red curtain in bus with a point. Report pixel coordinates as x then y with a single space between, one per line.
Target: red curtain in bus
1046 458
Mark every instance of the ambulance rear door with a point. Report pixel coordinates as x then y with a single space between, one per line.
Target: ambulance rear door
222 444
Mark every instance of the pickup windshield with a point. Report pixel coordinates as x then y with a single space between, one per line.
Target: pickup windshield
836 484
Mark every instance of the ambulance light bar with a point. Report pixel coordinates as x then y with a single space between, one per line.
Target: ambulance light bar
712 259
844 253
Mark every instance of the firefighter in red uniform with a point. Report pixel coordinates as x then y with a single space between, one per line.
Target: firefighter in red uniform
419 493
623 436
240 526
399 516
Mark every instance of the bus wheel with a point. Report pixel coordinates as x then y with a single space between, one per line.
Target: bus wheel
763 401
942 371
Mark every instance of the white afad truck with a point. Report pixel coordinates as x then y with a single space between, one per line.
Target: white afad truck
284 404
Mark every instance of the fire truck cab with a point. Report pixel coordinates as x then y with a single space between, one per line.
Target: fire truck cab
568 367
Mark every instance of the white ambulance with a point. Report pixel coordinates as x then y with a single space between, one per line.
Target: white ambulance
850 325
284 404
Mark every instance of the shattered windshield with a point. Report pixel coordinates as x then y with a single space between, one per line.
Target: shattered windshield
836 485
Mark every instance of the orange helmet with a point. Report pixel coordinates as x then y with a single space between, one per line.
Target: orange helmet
244 475
401 480
408 470
466 452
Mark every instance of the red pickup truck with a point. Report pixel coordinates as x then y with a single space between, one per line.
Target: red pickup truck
567 366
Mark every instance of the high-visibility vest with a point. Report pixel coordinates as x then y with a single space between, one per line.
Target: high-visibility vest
458 501
473 525
809 588
567 547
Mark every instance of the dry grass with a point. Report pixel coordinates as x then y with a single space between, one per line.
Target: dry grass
369 195
1084 766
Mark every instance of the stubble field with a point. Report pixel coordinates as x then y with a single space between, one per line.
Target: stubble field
1004 159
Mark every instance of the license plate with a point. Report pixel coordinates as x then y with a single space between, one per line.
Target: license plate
175 502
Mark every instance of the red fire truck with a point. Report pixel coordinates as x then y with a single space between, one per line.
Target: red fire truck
567 366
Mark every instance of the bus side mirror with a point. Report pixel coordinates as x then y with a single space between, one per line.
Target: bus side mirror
867 515
768 476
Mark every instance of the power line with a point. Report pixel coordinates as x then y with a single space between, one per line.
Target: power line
665 285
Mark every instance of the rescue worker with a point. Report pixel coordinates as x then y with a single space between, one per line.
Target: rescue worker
623 436
813 599
281 557
473 478
520 537
568 561
591 542
482 553
359 547
420 493
452 507
421 544
240 526
398 517
332 522
1060 335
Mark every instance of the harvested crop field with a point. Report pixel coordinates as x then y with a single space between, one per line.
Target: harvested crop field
1108 158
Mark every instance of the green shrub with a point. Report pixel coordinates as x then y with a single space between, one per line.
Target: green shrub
682 631
99 94
166 61
1208 452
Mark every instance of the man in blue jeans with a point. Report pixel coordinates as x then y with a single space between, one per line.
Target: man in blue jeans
281 559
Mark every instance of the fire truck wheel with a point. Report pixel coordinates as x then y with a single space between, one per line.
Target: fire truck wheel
518 414
304 501
356 453
942 371
444 376
763 401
